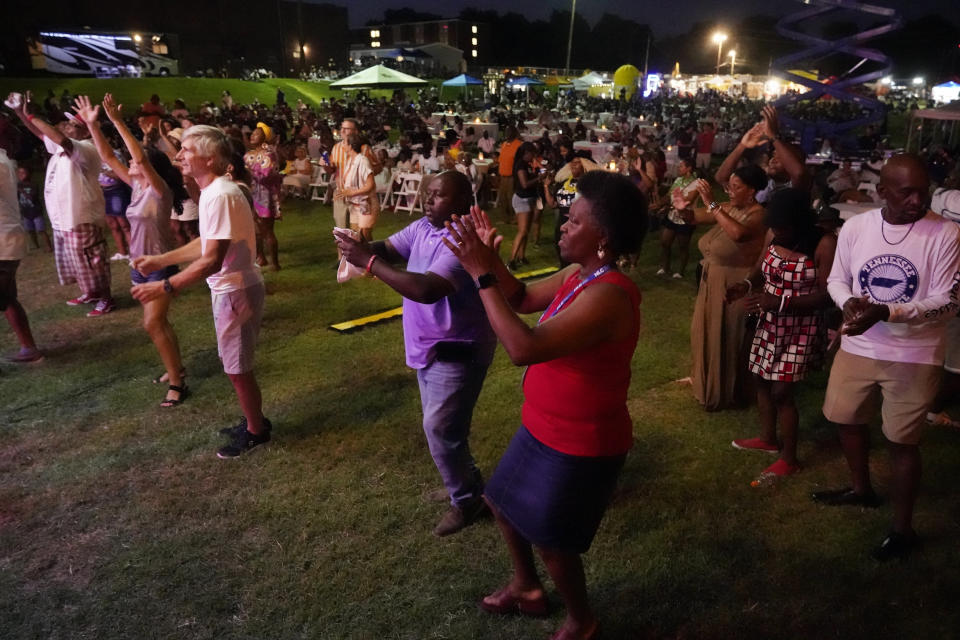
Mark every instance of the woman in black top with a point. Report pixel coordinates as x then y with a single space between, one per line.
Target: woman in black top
526 185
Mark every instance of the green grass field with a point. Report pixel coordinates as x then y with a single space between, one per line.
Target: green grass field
117 521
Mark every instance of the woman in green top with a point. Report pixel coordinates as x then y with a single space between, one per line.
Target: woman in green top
679 223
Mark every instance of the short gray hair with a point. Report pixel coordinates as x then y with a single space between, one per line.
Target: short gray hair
211 142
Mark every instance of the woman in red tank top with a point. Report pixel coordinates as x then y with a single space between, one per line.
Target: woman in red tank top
552 485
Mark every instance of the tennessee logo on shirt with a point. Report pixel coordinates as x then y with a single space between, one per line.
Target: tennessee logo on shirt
889 279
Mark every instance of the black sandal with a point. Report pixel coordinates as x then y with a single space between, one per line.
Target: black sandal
182 390
163 377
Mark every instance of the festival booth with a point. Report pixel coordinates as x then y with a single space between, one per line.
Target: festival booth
946 92
524 82
590 81
378 77
944 122
464 82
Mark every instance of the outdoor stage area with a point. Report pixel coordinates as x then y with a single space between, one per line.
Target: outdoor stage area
118 521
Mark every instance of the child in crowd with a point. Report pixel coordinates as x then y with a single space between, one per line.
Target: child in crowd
31 212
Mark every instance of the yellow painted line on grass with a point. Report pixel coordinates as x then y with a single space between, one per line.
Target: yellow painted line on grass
350 325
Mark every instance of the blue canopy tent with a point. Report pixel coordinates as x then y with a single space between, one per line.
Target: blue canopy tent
526 83
464 81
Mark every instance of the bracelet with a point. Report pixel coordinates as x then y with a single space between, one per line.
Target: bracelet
749 284
29 117
370 262
713 205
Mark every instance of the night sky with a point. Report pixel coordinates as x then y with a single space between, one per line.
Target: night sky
665 21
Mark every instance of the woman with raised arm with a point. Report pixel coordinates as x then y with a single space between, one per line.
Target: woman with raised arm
264 167
552 486
157 188
718 333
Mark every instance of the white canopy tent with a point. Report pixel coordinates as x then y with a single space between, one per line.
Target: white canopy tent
378 77
587 80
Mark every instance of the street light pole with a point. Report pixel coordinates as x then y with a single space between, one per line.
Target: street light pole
719 38
573 13
733 59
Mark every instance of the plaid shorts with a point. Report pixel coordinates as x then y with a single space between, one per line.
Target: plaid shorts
81 256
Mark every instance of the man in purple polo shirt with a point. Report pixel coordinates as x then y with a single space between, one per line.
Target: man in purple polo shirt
446 334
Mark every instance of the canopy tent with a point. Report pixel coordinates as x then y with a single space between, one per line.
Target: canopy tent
524 81
378 77
949 113
588 80
462 80
946 92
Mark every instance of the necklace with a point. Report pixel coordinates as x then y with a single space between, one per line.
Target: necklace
900 241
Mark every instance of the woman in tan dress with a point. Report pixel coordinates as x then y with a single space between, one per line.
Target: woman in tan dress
730 250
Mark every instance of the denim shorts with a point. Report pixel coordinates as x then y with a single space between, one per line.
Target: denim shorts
154 276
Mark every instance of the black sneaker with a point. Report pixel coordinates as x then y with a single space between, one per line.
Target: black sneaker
846 497
241 443
235 429
240 427
896 545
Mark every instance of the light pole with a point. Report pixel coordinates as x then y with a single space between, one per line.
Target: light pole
719 37
573 13
733 59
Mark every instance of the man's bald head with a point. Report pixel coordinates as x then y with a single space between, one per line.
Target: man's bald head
461 189
905 188
900 163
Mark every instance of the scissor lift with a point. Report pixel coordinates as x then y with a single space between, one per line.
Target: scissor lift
818 48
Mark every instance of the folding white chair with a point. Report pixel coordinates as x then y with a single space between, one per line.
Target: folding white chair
408 197
386 191
320 185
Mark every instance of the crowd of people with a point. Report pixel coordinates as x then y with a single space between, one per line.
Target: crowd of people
782 287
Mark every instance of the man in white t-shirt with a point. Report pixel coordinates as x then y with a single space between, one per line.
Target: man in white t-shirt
13 248
76 208
895 276
225 255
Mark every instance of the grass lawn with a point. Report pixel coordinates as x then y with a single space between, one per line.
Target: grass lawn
135 91
117 521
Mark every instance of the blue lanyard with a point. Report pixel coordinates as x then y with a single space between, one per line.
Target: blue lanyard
593 276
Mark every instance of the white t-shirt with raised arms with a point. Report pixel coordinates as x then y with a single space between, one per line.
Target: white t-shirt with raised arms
911 270
225 215
71 190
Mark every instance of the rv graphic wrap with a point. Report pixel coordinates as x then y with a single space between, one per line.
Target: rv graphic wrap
89 54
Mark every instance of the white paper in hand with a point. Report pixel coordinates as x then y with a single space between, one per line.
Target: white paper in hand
347 271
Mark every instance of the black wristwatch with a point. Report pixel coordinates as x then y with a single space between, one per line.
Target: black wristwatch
168 287
486 280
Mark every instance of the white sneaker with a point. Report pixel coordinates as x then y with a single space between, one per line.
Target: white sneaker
661 272
677 276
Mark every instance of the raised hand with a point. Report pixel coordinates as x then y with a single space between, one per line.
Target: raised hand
87 112
771 122
485 229
111 108
476 257
754 137
706 193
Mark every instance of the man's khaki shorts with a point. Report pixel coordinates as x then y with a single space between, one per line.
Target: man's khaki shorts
907 389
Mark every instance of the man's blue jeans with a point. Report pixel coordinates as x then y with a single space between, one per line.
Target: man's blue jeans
448 393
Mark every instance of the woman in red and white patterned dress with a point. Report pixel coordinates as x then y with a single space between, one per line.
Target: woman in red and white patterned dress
788 289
